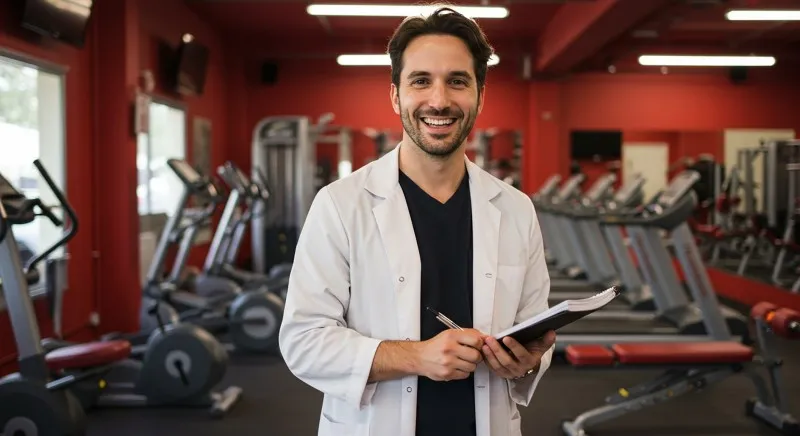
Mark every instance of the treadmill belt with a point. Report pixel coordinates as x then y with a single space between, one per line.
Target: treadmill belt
589 326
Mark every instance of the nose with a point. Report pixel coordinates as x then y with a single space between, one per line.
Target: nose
439 98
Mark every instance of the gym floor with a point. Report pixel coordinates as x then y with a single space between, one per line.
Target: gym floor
276 403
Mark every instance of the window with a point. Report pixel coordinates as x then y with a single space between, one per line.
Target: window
159 189
32 127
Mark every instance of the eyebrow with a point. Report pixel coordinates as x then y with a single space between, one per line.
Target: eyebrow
459 74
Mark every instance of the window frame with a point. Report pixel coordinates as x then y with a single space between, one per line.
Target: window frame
173 104
15 57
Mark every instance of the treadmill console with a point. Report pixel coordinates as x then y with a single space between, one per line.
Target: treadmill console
600 187
570 187
191 178
185 172
629 190
678 187
550 186
17 206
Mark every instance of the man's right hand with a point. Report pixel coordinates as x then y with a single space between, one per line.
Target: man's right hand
450 355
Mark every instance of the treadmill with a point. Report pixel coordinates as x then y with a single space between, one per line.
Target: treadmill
548 189
609 248
677 318
580 232
565 267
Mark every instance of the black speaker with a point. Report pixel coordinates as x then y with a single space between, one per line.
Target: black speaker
737 75
269 73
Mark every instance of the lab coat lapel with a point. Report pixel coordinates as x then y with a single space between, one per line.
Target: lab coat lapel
485 236
397 234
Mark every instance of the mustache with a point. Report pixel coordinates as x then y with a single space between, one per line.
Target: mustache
446 112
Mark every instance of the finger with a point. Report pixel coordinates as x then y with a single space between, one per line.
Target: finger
520 353
493 363
470 338
469 354
464 366
503 357
542 344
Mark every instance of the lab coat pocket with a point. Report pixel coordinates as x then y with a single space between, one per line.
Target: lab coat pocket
508 291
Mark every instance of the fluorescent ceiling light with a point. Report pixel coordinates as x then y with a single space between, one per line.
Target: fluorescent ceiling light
762 15
706 61
355 10
383 59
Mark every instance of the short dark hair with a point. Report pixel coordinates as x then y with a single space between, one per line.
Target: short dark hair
443 21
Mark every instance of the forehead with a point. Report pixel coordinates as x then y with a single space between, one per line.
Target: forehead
437 54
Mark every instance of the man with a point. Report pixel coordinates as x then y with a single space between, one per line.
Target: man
420 230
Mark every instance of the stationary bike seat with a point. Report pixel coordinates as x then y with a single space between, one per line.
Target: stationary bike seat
88 355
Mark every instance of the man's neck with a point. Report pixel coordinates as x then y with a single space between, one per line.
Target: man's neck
439 177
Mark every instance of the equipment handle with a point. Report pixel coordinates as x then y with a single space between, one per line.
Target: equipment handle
264 183
46 211
73 217
3 222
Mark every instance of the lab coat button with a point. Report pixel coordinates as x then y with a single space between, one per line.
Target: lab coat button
402 279
408 389
488 275
408 339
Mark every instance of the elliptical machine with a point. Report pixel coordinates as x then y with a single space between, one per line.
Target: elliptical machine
251 320
32 401
234 221
182 364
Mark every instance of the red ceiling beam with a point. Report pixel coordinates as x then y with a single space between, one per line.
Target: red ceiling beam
580 29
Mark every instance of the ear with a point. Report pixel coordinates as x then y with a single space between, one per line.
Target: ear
481 98
394 98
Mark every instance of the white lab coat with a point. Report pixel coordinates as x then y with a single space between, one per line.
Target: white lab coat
356 281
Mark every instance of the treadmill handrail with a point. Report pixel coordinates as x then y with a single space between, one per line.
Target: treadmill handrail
676 215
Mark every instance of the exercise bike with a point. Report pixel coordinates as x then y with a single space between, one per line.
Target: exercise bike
182 365
251 320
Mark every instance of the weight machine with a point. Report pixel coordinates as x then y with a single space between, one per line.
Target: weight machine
508 170
285 148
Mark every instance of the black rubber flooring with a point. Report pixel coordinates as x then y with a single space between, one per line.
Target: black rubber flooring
275 403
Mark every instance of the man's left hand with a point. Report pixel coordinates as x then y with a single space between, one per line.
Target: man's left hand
522 358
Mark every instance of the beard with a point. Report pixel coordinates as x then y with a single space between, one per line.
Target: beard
438 145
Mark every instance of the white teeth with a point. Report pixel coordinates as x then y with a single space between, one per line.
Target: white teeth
438 122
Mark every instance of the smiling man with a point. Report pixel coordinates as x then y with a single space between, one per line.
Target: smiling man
420 233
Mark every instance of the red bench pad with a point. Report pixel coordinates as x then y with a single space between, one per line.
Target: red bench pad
87 355
589 355
678 353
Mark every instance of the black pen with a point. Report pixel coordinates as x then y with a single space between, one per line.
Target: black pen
444 320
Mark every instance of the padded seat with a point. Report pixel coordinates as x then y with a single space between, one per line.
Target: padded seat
590 355
668 353
88 355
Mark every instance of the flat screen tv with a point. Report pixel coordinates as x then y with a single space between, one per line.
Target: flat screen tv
191 64
591 144
63 20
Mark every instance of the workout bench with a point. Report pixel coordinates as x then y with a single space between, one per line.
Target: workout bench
691 366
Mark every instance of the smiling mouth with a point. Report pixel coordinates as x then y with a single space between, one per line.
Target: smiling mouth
438 122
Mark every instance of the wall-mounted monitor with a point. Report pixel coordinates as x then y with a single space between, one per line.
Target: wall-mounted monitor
191 63
63 20
594 144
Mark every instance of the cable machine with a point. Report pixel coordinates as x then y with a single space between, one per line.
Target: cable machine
285 149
